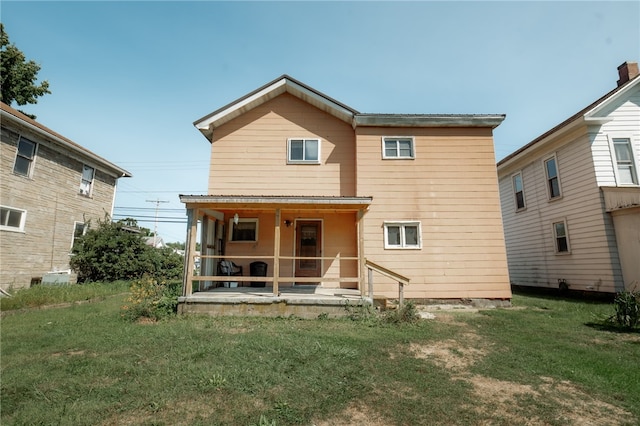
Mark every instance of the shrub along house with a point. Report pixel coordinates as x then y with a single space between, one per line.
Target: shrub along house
51 188
325 195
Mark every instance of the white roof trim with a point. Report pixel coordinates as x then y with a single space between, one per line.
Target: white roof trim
622 92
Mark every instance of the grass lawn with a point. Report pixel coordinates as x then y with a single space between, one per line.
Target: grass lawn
542 362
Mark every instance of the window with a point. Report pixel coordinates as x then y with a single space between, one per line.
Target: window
553 182
398 147
404 235
561 237
79 229
301 151
24 157
518 190
624 161
244 230
87 180
12 219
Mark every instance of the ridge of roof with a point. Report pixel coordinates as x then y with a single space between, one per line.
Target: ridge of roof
581 113
63 140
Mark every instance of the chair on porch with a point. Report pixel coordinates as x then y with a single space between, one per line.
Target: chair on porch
229 269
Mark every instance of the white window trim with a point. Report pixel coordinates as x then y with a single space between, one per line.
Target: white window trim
546 177
23 219
290 161
93 178
402 224
555 237
515 194
614 158
33 161
73 234
230 236
413 148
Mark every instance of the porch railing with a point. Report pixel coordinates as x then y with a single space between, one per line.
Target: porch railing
401 279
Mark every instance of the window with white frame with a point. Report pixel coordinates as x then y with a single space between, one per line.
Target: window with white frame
12 219
303 151
553 180
79 229
86 183
625 164
518 190
24 157
402 235
398 148
245 230
561 237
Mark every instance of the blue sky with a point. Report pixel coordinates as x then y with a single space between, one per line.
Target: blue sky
129 78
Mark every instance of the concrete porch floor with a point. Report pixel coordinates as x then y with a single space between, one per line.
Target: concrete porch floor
305 301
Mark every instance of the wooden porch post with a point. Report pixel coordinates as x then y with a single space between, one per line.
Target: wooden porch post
276 254
192 221
361 262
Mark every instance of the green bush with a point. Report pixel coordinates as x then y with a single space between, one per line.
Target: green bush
113 251
627 305
151 298
405 314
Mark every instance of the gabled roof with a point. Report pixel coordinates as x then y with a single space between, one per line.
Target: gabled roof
282 84
589 114
286 84
15 115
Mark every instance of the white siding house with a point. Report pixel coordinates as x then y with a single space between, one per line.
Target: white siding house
570 199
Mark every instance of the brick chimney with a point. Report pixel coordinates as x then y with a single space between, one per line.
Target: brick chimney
627 71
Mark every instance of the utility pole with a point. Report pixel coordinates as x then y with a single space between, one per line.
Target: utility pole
155 228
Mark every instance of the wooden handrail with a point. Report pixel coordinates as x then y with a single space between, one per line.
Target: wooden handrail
401 279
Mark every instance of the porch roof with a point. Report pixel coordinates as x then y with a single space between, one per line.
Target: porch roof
277 201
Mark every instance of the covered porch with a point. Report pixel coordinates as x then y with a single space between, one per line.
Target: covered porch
257 250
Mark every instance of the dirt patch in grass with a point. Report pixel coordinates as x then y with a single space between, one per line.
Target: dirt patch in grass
500 398
354 414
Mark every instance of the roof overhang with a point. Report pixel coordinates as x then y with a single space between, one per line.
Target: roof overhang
13 115
277 87
251 202
429 120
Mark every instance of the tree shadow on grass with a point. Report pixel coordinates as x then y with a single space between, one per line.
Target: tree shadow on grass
603 326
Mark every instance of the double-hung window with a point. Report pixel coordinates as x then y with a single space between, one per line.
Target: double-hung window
12 219
303 151
24 157
561 237
402 235
87 180
398 148
79 229
245 230
627 174
518 190
553 180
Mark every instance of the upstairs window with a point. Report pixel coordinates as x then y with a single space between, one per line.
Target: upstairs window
245 230
12 219
553 181
24 157
398 148
561 237
624 161
303 151
402 235
518 190
87 180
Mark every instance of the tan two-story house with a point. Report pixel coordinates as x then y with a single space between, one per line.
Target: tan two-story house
571 198
50 188
322 193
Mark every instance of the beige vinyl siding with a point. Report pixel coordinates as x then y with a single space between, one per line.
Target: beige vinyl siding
529 236
249 154
451 189
53 203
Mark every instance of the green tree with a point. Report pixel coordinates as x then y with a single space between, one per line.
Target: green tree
17 75
115 251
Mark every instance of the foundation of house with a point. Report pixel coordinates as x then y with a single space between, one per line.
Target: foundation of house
301 301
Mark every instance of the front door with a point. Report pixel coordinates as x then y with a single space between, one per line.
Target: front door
308 244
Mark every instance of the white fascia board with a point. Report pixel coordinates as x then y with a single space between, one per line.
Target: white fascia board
596 109
319 101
